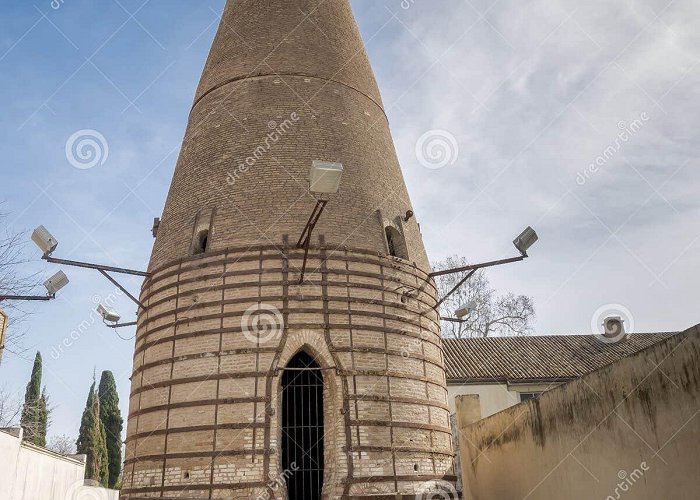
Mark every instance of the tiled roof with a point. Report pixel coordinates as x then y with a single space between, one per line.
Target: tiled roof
553 357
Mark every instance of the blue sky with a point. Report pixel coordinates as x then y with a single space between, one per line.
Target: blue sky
532 92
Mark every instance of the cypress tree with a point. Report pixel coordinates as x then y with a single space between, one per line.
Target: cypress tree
92 440
31 420
42 418
112 422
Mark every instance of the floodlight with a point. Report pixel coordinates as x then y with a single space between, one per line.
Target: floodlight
56 282
465 309
108 314
526 239
44 240
325 177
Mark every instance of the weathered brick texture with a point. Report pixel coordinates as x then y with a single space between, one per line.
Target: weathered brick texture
204 418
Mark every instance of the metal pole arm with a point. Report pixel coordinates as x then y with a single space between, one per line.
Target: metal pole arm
99 267
455 288
472 269
475 267
27 297
454 320
121 325
305 238
115 283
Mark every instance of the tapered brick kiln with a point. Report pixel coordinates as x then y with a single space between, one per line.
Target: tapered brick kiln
247 384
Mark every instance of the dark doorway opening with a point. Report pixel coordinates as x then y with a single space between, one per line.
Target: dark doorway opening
302 428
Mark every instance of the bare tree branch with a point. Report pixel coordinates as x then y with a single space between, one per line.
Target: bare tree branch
10 408
494 315
15 281
63 444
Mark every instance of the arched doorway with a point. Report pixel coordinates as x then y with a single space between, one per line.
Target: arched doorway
302 427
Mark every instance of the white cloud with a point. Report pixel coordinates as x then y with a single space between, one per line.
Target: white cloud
535 92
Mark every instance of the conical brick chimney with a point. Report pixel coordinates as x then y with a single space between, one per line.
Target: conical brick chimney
246 383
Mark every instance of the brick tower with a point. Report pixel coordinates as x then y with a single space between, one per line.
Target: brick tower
246 383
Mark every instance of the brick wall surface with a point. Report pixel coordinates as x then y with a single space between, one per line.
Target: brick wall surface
286 83
204 411
262 116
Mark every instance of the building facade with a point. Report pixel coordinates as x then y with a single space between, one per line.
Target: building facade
505 371
629 429
247 382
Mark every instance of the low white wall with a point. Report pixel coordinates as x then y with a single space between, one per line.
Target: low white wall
9 452
29 472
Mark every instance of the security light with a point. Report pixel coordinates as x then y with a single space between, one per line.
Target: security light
56 282
44 240
465 309
526 239
325 177
108 314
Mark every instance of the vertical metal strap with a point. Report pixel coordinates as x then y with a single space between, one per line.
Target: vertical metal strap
273 368
388 379
218 378
425 373
346 390
134 443
170 387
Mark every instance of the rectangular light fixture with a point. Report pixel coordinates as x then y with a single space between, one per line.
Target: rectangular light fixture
525 240
56 282
108 314
325 177
44 240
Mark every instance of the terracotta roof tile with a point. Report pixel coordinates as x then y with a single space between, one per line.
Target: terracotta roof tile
537 357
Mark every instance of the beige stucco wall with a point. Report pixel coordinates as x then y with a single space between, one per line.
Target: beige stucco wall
28 472
493 397
628 430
